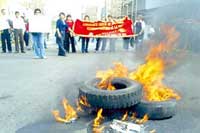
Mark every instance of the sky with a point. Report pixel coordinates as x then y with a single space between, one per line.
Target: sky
53 7
74 7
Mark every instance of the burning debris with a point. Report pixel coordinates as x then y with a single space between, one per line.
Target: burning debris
150 74
97 122
106 77
70 113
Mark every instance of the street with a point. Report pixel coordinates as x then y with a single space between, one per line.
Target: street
32 88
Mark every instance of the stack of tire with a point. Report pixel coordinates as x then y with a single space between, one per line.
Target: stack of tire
128 95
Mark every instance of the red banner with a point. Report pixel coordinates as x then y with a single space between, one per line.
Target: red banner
118 28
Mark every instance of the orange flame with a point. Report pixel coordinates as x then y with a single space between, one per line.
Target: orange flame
106 77
98 119
79 108
143 120
83 101
133 117
70 113
125 116
56 115
98 129
151 74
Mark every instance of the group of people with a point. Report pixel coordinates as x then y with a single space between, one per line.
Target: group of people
19 26
65 37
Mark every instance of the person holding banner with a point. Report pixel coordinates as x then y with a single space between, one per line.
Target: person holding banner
69 35
85 40
61 27
110 40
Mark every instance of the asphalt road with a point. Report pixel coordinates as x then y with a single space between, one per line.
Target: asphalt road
32 88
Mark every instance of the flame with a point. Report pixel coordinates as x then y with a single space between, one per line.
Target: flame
151 74
143 120
56 115
106 77
70 113
133 117
125 116
98 119
83 101
98 129
79 108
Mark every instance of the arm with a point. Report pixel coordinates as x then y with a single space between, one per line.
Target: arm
57 29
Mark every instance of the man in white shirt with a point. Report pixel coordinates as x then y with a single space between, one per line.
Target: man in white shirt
18 26
38 25
5 25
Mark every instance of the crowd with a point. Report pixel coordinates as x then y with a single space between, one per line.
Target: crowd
24 30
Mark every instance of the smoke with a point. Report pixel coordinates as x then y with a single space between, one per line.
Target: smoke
184 16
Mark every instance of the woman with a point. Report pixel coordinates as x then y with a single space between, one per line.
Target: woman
61 27
69 38
85 40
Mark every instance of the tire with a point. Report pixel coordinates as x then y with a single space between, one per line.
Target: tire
120 98
156 110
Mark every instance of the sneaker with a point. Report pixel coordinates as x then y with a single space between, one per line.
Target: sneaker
36 57
23 52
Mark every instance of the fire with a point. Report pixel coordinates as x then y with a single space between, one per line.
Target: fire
70 113
125 116
98 129
133 117
151 74
106 77
56 115
98 119
78 106
143 120
83 101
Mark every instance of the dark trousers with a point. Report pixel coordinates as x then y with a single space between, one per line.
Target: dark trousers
69 40
60 42
18 35
6 41
98 44
26 38
85 43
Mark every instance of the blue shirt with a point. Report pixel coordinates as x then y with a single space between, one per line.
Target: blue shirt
61 25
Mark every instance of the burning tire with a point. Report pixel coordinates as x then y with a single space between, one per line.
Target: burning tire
127 94
157 110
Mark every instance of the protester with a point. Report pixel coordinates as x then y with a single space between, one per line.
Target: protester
110 40
126 41
61 27
38 25
18 26
85 40
26 33
98 43
139 31
5 28
69 35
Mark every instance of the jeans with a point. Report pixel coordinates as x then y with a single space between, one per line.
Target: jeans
38 44
60 42
85 43
6 41
104 42
26 38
